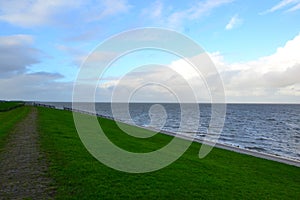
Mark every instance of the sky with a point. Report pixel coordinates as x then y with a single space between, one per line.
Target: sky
254 45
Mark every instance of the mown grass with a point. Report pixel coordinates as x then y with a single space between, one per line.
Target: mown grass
9 105
220 175
8 120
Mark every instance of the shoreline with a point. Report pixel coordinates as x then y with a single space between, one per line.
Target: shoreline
257 154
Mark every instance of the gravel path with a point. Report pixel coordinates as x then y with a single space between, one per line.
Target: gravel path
22 165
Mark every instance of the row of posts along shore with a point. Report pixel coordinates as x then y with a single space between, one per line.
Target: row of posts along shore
68 109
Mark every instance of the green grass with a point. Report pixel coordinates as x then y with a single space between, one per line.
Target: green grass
8 121
9 105
220 175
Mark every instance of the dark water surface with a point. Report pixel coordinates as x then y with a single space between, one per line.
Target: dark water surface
268 128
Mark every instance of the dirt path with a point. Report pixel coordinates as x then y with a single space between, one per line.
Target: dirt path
22 165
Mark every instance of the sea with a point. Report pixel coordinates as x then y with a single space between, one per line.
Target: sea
268 128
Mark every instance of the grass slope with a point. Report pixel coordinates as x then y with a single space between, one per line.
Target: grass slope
8 120
9 105
221 175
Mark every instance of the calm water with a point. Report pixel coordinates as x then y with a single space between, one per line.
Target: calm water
268 128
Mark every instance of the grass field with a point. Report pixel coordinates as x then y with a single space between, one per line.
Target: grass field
8 120
220 175
9 105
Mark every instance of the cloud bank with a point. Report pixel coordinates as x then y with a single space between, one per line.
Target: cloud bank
274 78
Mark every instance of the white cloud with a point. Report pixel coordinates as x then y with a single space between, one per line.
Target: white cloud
205 7
288 77
284 57
179 76
97 10
154 11
294 8
174 19
31 13
234 22
267 77
28 13
112 7
292 4
156 83
158 9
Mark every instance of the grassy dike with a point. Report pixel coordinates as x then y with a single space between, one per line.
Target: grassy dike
9 105
220 175
8 120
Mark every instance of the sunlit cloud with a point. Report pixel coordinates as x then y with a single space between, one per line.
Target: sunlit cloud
269 76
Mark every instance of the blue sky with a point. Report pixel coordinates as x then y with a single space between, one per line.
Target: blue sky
253 44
